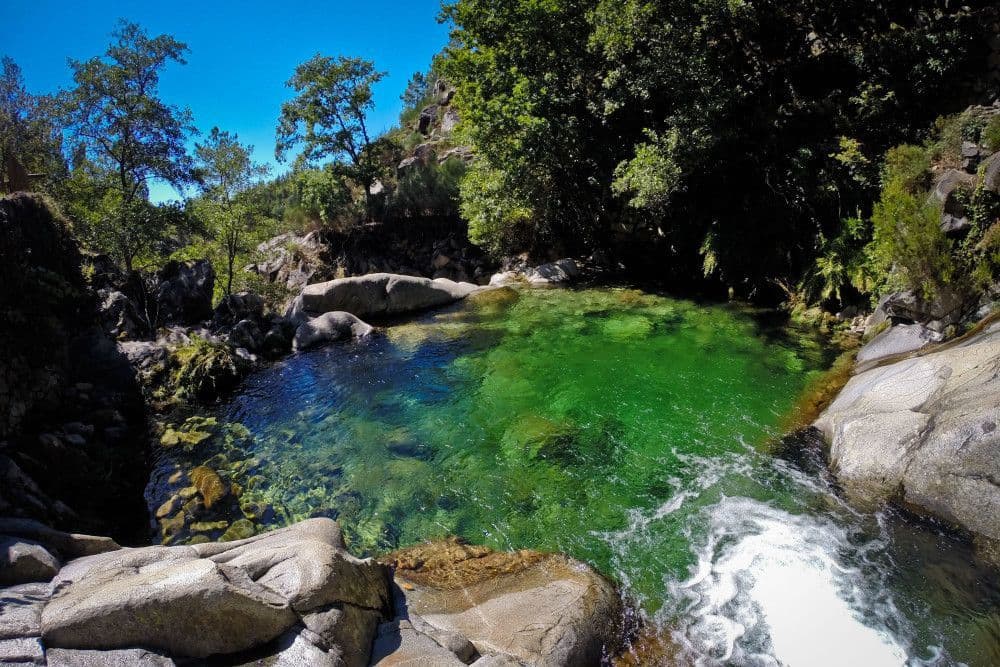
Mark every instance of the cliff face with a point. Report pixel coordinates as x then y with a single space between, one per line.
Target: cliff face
71 418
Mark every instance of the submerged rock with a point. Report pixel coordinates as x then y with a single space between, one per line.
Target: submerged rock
924 431
520 607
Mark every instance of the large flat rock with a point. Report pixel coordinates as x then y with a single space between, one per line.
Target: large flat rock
925 432
221 598
377 295
522 607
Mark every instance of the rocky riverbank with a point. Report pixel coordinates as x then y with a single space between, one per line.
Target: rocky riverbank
295 596
917 425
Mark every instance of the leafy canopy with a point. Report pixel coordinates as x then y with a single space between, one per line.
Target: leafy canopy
126 132
327 117
225 171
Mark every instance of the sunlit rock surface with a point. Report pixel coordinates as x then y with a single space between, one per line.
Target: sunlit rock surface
924 431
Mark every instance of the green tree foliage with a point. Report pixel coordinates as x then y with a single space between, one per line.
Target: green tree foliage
225 172
908 246
663 125
427 190
30 140
529 95
417 89
327 118
991 134
127 134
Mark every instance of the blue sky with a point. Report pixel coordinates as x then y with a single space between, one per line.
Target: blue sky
241 53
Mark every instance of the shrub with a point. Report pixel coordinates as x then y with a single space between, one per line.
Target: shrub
909 166
991 135
428 190
498 221
908 247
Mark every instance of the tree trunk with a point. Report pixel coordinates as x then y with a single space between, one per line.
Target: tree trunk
368 202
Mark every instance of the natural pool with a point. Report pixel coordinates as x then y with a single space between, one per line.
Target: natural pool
629 430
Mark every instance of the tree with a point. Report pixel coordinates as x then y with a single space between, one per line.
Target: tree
327 118
418 87
226 172
126 131
720 133
29 139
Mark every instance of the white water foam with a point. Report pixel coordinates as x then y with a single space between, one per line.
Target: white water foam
771 587
769 590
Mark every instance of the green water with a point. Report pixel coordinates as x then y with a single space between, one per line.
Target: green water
525 424
629 430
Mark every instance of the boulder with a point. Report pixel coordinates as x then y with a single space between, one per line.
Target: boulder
191 607
295 648
990 171
64 545
290 260
408 163
971 155
237 307
426 119
948 187
377 295
923 431
24 561
144 354
222 598
346 628
21 650
449 120
247 334
560 272
278 339
118 315
443 91
399 643
946 308
133 657
463 153
328 327
21 610
525 606
899 339
184 291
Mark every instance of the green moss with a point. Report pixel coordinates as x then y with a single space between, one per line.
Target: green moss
204 370
208 526
239 530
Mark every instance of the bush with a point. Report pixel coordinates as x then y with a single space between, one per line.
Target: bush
991 135
908 247
909 166
497 220
429 190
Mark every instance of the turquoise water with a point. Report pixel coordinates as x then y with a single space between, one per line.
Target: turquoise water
629 430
